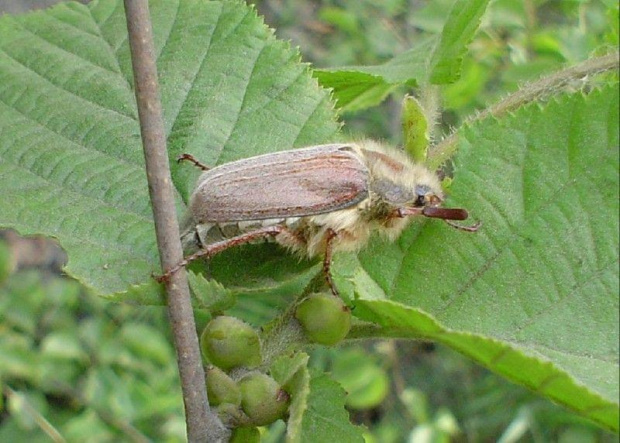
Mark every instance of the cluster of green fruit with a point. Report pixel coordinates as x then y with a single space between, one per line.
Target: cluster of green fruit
243 394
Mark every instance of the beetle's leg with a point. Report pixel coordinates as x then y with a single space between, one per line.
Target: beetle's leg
190 158
217 247
472 228
330 235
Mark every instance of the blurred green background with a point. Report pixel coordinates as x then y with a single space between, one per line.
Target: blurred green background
107 372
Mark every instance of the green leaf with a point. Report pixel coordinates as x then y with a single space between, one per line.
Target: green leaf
458 31
415 129
210 294
317 411
434 60
354 90
63 346
364 379
541 375
71 162
360 87
534 293
292 374
326 415
146 342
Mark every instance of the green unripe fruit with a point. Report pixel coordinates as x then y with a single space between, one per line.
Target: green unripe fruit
221 388
228 342
245 435
262 398
324 318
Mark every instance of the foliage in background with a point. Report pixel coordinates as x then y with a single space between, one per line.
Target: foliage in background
95 371
518 42
353 35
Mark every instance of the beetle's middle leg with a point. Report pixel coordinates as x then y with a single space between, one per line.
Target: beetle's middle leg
330 235
217 247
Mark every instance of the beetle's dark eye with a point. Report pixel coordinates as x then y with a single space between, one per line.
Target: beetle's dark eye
421 193
419 201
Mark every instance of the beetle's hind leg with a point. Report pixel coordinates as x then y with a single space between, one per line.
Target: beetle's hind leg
330 235
190 158
217 247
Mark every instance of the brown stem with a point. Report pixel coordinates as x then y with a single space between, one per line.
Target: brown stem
537 90
202 424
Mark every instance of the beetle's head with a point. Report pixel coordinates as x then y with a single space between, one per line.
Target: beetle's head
402 188
425 200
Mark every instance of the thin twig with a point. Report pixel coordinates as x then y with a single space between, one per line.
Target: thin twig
39 419
202 424
537 90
